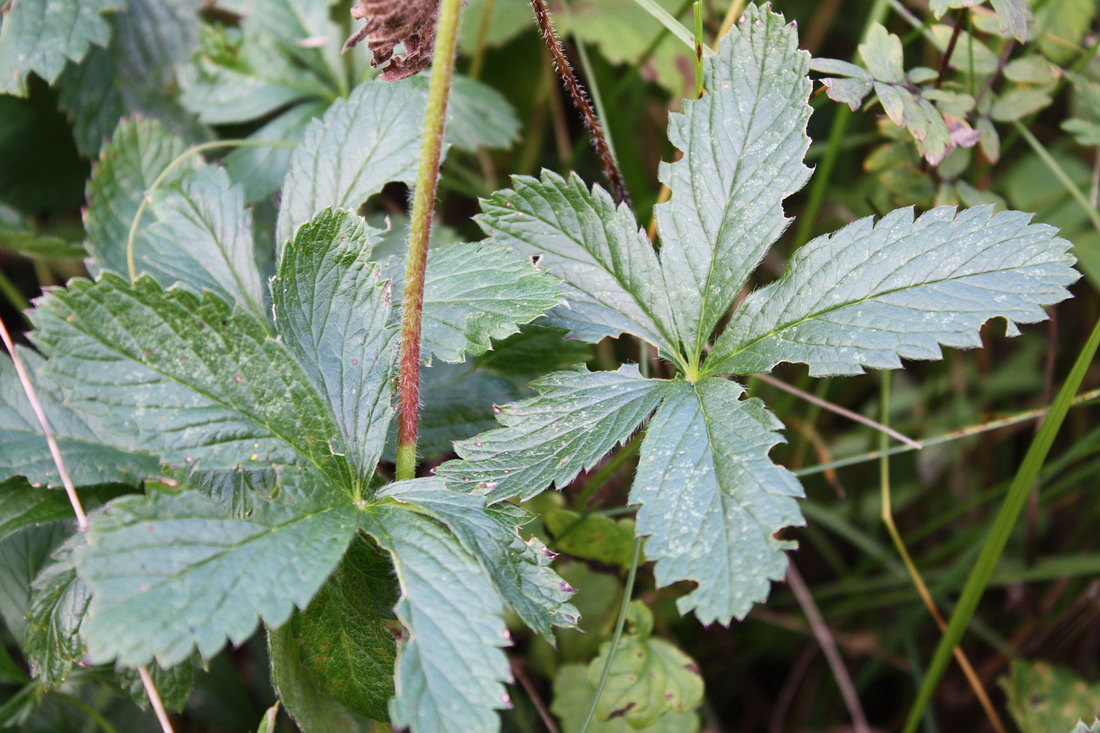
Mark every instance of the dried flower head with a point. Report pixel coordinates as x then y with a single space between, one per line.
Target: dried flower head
390 22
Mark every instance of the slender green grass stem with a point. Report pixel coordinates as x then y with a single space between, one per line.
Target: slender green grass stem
424 195
11 292
620 623
1059 173
163 176
1002 527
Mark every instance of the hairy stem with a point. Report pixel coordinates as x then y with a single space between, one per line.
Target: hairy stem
427 184
580 99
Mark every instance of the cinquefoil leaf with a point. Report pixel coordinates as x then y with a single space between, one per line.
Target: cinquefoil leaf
172 573
184 377
203 239
302 695
743 145
23 505
576 419
520 570
138 152
333 311
357 147
345 637
614 281
59 602
39 35
712 499
23 447
873 293
475 292
450 669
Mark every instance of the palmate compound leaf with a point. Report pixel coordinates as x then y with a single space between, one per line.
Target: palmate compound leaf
519 570
333 311
613 279
450 669
40 35
873 293
712 499
52 642
170 573
185 377
351 152
577 418
23 447
743 145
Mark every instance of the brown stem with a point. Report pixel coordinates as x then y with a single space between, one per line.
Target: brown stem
580 99
955 33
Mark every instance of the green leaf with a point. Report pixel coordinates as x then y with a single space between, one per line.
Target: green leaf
203 239
589 536
348 155
59 602
135 75
173 684
519 570
261 169
535 349
184 377
1042 696
478 116
478 291
244 75
23 505
14 236
172 573
22 555
712 500
39 35
871 294
333 311
138 152
450 669
1019 103
23 447
743 145
573 697
575 421
613 278
305 699
649 677
882 54
1082 728
10 672
1013 17
848 91
345 637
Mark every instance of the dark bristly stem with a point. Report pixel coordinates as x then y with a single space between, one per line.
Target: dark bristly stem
580 99
427 183
947 54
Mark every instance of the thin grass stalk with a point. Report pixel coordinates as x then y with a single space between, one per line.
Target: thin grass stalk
914 573
1001 528
620 623
424 196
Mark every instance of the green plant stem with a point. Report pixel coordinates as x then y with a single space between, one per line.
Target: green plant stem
841 117
1059 173
674 26
159 181
424 195
620 623
482 35
945 438
1002 527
